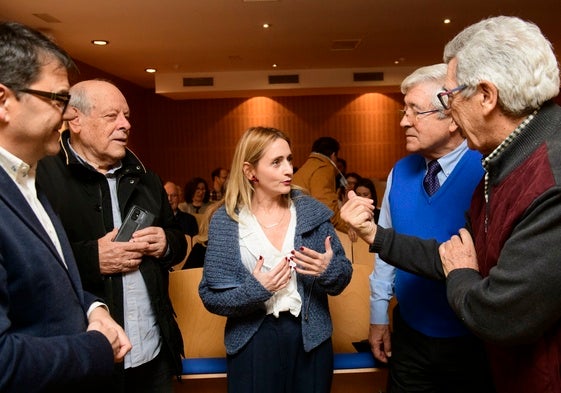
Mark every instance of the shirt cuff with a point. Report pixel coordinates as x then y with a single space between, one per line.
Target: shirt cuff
95 305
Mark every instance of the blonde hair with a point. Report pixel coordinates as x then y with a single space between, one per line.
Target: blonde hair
202 236
250 149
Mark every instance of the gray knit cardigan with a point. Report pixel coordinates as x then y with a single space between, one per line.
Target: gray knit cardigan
229 289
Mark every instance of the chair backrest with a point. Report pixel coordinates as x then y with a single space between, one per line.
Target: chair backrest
202 331
189 241
361 253
346 243
350 311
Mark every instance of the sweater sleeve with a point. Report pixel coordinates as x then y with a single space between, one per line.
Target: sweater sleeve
520 299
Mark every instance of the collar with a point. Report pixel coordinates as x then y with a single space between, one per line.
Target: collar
449 161
14 166
129 163
502 147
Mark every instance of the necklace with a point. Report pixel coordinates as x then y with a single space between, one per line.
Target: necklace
273 224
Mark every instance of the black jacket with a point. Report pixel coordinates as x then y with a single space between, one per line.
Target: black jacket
80 196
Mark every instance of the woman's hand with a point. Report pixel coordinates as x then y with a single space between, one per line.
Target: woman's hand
311 262
275 279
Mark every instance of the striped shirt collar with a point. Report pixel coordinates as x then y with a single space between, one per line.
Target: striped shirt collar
502 147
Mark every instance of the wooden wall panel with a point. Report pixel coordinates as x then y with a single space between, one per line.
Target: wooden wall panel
183 139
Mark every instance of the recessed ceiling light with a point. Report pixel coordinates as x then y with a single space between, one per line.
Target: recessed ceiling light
150 70
266 25
275 65
447 21
100 42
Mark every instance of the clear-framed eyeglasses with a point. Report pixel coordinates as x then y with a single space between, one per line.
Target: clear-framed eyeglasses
445 96
415 115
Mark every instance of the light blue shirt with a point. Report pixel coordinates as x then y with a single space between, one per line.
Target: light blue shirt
383 275
140 321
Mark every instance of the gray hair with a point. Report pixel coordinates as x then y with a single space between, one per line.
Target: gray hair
433 73
80 98
513 55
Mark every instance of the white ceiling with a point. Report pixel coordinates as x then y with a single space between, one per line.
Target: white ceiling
224 38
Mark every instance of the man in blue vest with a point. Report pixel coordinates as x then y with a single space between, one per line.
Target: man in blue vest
427 193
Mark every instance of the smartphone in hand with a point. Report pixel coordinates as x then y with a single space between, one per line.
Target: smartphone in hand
137 218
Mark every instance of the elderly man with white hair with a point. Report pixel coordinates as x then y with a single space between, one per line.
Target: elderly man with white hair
503 270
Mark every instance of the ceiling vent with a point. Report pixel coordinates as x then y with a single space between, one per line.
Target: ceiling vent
280 79
368 76
345 44
203 81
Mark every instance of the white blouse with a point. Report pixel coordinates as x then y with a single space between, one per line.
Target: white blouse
254 243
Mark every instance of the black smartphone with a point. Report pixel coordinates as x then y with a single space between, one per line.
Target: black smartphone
137 218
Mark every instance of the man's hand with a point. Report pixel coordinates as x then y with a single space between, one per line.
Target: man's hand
119 257
101 321
358 213
380 342
458 253
156 239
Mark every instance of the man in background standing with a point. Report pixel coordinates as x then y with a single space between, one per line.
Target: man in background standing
92 184
318 176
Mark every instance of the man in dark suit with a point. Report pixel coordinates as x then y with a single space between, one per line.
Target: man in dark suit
53 335
186 221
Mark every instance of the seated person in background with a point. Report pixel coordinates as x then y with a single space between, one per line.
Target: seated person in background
196 257
349 184
219 177
196 196
366 188
186 221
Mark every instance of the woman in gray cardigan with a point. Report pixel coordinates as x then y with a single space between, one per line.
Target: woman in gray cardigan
273 257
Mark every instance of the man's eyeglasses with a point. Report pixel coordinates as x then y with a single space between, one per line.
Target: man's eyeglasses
411 113
446 95
60 100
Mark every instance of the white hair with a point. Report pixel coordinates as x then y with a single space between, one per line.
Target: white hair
433 73
513 55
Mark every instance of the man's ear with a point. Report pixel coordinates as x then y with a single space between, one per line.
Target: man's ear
452 127
5 98
75 124
489 96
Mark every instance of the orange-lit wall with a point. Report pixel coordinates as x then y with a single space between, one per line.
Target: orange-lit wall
201 135
183 139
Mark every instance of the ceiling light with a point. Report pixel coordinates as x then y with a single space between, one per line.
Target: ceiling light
447 21
100 42
150 70
266 25
275 65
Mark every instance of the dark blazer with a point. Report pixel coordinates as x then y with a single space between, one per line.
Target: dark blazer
44 345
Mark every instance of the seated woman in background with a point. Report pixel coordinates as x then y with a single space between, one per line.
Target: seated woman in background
196 196
273 257
366 188
351 180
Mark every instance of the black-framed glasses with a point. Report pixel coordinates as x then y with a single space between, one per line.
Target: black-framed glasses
60 100
412 113
445 95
